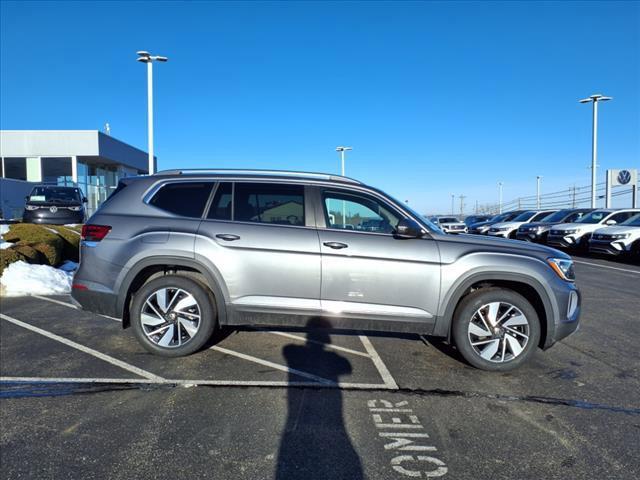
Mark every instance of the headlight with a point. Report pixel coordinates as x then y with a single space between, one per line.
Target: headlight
75 209
31 207
620 236
563 268
569 232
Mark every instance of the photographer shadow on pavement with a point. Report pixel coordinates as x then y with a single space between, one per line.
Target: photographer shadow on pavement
315 443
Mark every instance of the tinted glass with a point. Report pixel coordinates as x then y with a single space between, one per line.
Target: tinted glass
269 203
524 217
353 212
539 217
622 216
633 221
594 217
185 199
221 205
15 168
448 220
55 195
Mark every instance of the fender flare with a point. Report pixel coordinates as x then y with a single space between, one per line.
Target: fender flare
165 261
443 325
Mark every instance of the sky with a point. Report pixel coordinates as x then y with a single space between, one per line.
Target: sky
436 98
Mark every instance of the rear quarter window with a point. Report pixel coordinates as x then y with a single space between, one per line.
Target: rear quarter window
186 199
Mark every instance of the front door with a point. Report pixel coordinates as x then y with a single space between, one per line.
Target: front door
367 273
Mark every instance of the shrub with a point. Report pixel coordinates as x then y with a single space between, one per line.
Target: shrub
7 257
71 239
52 254
30 233
28 253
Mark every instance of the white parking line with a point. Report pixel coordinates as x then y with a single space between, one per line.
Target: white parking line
220 383
82 348
637 272
377 361
326 345
276 366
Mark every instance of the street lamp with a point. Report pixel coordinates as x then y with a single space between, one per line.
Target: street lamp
146 57
594 141
538 178
342 150
453 199
500 197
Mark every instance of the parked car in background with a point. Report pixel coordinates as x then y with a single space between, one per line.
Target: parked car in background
472 219
259 248
538 231
482 228
510 228
576 235
449 224
622 239
54 205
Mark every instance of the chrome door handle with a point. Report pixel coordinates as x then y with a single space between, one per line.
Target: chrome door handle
335 245
229 237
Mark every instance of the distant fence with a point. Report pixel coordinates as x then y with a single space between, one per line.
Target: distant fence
573 197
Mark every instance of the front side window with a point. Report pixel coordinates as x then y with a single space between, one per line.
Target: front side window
269 203
186 199
346 211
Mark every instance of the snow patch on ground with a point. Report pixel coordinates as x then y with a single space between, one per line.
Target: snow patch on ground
4 228
5 244
21 278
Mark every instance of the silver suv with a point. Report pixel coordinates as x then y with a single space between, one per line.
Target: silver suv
180 253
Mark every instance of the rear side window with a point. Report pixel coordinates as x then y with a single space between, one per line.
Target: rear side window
269 203
186 199
221 205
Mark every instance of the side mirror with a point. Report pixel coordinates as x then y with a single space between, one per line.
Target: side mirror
27 198
84 200
610 222
408 228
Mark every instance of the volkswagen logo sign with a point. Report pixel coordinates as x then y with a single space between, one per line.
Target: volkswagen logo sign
53 209
624 177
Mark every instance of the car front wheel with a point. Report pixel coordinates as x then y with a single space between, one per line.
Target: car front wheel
496 329
173 315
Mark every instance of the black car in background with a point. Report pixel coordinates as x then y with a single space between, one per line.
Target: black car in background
51 204
471 219
538 231
481 228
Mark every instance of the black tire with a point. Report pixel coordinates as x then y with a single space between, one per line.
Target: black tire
205 307
466 311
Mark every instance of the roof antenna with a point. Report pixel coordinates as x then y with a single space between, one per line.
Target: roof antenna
107 129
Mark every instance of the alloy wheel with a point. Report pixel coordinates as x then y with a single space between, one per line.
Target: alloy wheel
498 332
170 317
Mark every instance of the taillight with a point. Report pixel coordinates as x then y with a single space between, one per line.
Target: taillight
94 233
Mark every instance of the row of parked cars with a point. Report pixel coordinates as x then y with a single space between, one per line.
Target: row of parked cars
602 231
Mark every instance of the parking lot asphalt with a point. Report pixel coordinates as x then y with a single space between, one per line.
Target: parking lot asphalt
79 398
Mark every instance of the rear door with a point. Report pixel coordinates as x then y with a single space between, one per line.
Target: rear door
367 273
261 239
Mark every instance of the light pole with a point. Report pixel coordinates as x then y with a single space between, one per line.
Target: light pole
453 199
500 197
146 57
342 150
594 141
538 178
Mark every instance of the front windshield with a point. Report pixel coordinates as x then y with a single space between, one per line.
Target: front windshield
556 217
55 195
594 217
502 217
632 222
524 217
448 220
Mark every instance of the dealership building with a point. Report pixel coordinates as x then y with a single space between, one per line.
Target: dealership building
88 159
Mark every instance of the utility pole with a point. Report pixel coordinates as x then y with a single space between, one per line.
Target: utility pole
573 197
500 197
538 178
462 197
476 207
594 141
453 199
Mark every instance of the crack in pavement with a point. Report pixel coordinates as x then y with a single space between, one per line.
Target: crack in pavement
25 389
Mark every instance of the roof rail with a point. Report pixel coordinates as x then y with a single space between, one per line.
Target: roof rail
239 171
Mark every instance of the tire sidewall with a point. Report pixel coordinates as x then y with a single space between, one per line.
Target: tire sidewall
467 309
208 317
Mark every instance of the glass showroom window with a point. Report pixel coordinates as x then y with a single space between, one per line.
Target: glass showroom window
15 167
57 170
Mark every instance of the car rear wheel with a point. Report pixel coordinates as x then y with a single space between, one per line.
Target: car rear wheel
173 316
496 329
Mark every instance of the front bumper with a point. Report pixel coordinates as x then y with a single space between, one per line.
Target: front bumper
504 234
531 237
563 241
44 216
568 301
608 247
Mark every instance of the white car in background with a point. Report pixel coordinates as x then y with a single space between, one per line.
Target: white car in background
450 224
577 235
509 229
623 239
